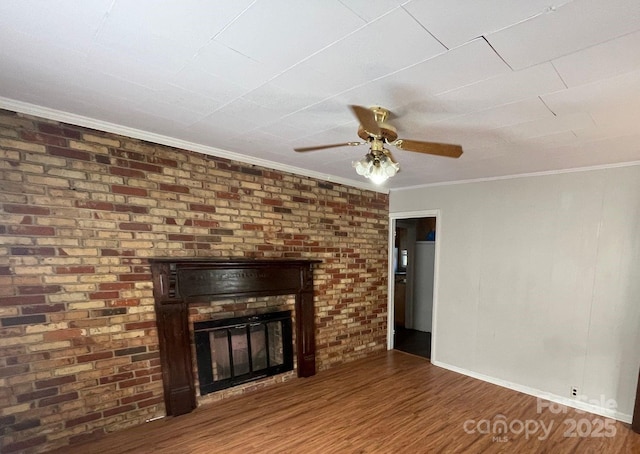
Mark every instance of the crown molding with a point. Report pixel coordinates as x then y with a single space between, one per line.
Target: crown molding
524 175
93 123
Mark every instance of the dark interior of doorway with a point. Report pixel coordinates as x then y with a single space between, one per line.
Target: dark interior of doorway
408 231
413 341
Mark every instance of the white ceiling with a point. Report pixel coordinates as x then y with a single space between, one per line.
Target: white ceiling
524 86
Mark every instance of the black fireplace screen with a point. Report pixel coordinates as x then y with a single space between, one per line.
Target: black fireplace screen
242 349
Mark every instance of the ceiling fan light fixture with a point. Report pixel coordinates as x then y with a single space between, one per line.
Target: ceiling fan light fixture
363 166
377 166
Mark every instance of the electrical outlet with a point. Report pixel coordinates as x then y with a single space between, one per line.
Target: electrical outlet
574 391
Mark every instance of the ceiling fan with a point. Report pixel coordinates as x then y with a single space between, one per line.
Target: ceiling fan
378 164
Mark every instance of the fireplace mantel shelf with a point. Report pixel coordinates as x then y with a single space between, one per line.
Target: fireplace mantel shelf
179 282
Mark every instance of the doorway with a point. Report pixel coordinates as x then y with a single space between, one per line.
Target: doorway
413 244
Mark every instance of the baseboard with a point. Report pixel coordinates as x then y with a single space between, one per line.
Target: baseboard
572 403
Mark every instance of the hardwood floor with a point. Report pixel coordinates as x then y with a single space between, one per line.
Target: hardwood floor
390 403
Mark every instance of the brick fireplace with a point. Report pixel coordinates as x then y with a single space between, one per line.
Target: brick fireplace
179 282
82 210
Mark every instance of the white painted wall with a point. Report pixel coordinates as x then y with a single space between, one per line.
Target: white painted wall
538 281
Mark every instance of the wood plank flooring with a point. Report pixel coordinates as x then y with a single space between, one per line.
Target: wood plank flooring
389 403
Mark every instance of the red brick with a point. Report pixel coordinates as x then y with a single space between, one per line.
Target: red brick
174 188
38 289
205 223
26 209
201 207
131 209
31 230
226 165
141 192
140 325
62 334
138 363
181 237
51 382
118 410
136 277
272 202
252 227
125 172
82 419
57 399
36 395
59 131
43 308
67 153
145 167
228 195
147 403
94 357
115 286
94 205
136 397
37 251
43 138
75 269
104 295
138 226
21 300
133 382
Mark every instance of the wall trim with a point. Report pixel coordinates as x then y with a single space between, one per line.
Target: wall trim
87 122
576 404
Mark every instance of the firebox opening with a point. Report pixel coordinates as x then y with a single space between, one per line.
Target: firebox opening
237 350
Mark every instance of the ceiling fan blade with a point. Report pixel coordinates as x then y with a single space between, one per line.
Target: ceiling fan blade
367 119
335 145
434 148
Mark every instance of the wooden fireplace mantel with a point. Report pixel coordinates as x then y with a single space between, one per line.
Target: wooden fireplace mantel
179 282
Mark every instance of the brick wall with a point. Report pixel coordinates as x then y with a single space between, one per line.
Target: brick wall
80 213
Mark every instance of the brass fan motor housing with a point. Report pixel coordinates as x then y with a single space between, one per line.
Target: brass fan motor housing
388 132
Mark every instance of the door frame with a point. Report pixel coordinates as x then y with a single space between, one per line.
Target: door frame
393 218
